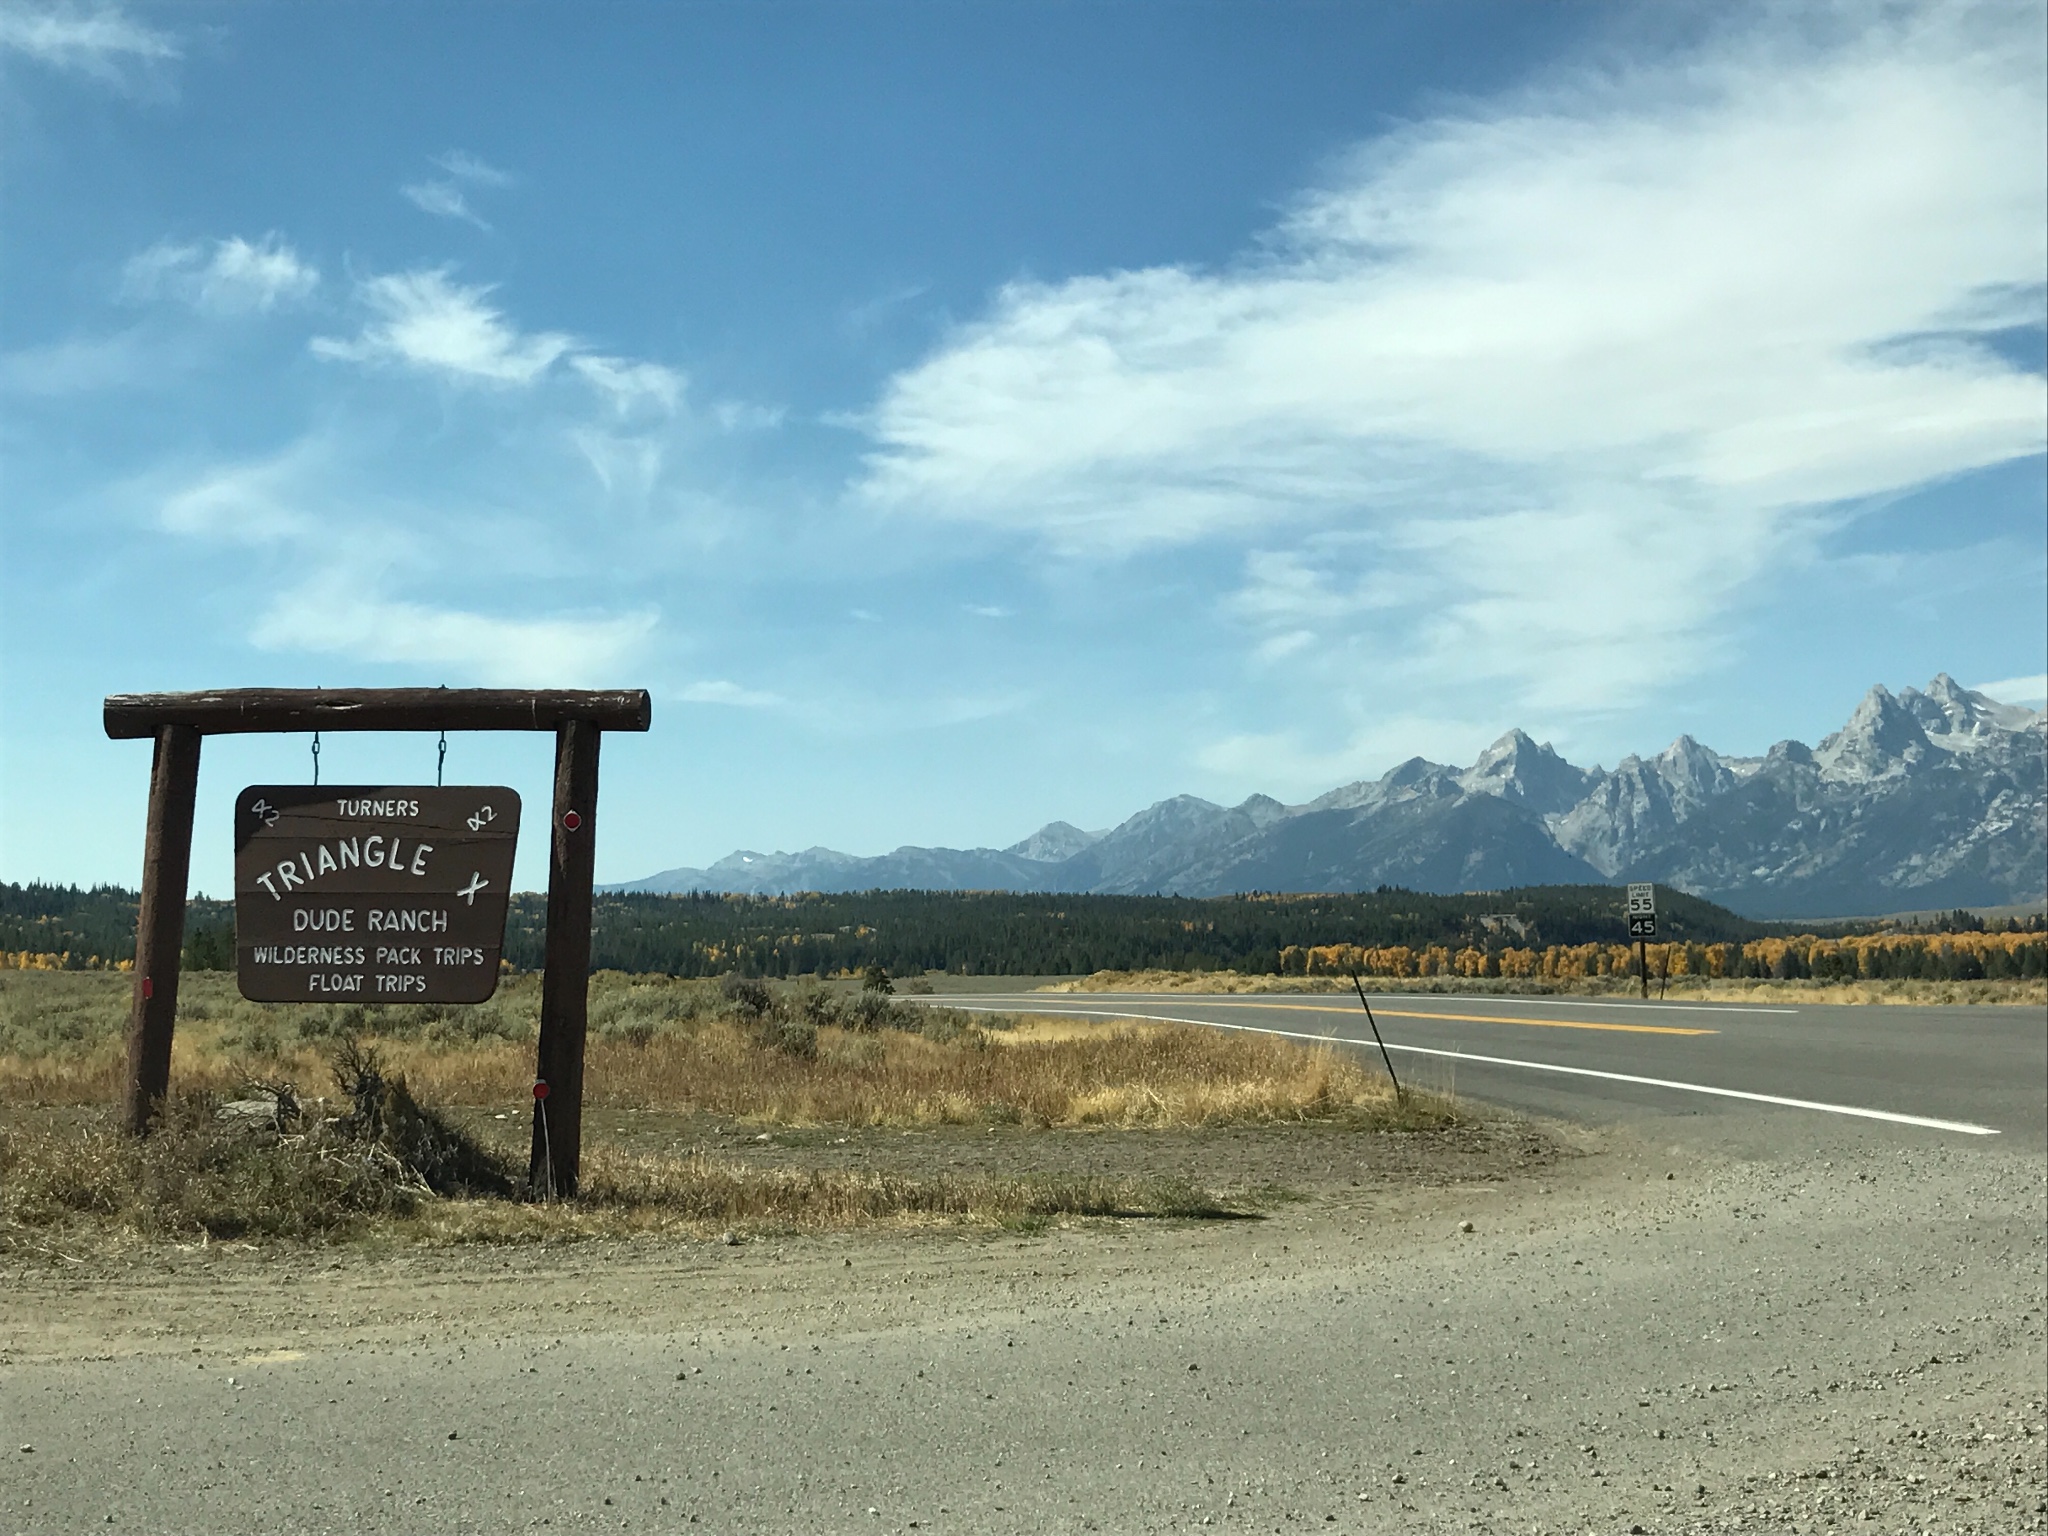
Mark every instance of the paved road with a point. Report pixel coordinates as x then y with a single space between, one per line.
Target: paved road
1968 1070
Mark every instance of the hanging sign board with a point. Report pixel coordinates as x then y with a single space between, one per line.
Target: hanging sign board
1642 911
372 893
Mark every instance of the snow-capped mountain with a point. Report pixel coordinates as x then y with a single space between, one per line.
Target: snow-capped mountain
1923 799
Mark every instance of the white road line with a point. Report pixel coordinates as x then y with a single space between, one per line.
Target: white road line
1961 1127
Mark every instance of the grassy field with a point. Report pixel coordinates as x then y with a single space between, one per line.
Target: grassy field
748 1055
793 1055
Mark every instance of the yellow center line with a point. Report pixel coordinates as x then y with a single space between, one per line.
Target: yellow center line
1477 1018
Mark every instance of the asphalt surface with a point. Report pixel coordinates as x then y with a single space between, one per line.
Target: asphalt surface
1720 1315
1977 1069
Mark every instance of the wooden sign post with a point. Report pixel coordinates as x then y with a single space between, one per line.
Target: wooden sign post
177 722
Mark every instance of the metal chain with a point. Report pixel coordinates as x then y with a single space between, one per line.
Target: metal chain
440 757
316 758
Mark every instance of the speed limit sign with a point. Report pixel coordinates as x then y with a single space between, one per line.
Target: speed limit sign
1642 911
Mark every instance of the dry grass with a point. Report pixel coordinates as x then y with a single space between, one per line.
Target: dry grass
196 1179
683 1047
791 1056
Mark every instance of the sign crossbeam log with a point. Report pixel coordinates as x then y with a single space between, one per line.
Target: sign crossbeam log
241 711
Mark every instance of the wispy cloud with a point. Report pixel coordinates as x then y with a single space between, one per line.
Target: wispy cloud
741 416
719 691
447 199
339 566
2031 691
443 200
103 42
1551 381
232 276
428 322
340 614
241 504
82 363
863 319
464 166
629 384
1293 766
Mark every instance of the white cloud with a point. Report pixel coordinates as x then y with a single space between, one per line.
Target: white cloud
739 416
427 322
340 613
240 503
442 199
233 276
445 199
720 691
628 384
83 363
990 611
464 166
1289 765
338 556
104 42
623 463
2031 691
1555 380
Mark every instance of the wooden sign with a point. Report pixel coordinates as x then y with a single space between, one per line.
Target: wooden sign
372 893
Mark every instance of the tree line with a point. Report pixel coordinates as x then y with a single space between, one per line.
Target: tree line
2016 953
1005 934
1537 932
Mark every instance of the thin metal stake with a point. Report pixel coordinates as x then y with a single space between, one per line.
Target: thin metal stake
548 1151
1359 987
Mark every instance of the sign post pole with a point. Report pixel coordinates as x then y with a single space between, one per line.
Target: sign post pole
160 923
555 1165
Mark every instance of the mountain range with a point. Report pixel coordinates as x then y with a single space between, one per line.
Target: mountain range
1924 799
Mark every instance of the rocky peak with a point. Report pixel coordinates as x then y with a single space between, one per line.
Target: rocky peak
1520 769
1178 816
1053 842
1881 740
1960 719
1694 774
1261 810
1418 776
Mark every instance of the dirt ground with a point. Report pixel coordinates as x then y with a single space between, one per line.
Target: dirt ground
1726 1325
1305 1160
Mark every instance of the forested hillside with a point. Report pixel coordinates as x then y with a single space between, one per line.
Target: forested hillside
993 933
1540 931
89 929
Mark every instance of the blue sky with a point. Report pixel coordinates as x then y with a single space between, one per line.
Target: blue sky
965 416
